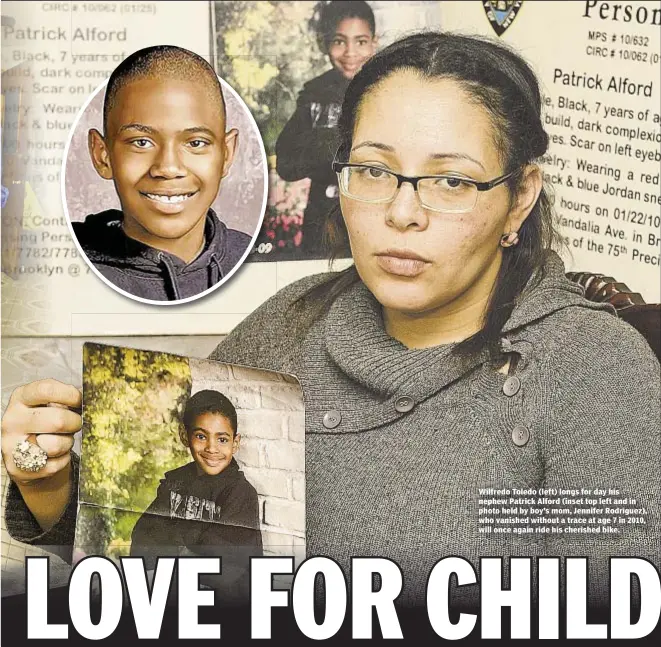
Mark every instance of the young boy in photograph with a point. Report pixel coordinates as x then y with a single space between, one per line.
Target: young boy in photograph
307 144
207 506
166 149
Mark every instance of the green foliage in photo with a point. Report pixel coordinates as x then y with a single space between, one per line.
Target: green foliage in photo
132 406
266 52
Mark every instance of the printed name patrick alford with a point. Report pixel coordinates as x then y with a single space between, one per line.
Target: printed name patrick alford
618 84
59 33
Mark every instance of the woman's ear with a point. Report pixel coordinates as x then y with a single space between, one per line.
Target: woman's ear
99 154
528 190
183 436
236 445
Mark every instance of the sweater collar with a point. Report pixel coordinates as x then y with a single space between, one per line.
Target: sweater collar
358 344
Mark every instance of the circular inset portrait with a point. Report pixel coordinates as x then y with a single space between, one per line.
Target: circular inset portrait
165 178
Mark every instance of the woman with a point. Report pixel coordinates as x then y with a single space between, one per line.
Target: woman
454 356
305 147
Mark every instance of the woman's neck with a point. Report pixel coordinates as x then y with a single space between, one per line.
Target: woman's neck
450 323
436 327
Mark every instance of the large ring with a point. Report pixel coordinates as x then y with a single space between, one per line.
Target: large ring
29 457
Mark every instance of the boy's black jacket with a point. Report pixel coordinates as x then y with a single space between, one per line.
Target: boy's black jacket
151 273
207 515
306 147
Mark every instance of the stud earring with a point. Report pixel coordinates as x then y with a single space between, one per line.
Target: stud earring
509 240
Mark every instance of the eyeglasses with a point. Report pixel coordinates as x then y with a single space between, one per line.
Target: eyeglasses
444 193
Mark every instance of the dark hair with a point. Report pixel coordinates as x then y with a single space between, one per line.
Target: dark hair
328 15
504 85
209 401
168 61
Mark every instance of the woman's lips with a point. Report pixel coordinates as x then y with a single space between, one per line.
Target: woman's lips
401 263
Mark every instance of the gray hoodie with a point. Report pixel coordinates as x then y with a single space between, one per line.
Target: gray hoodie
154 274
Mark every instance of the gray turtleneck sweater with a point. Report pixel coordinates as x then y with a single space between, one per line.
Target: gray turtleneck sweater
399 441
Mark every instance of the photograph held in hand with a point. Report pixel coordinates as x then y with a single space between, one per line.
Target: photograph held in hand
162 472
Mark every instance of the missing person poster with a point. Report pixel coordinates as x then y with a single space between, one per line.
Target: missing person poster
331 321
598 72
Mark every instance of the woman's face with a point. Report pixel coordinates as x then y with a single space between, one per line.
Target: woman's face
351 45
415 260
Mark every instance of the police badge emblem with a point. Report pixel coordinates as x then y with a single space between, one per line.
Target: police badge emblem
501 14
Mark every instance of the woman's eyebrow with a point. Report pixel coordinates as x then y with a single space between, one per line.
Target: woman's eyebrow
377 145
436 156
460 156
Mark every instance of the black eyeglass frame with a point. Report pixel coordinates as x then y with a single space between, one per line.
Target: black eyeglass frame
413 181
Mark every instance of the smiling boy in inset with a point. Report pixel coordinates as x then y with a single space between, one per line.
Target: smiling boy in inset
166 149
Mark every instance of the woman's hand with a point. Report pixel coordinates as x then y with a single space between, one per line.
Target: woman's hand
40 412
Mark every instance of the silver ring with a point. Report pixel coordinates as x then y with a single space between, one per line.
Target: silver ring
29 457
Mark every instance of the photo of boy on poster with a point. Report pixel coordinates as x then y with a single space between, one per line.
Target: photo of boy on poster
175 221
305 148
291 62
